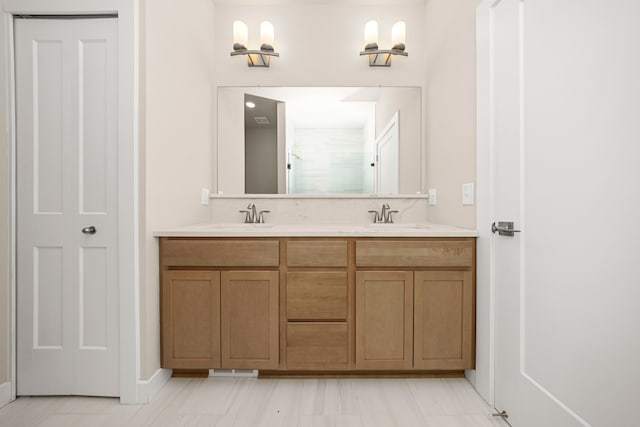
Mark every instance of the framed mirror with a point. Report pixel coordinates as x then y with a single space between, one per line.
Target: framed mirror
319 140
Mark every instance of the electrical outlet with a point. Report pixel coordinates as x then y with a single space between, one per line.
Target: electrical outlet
467 194
204 197
433 197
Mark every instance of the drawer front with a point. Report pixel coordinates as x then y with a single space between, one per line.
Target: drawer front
317 253
315 295
320 346
414 253
203 252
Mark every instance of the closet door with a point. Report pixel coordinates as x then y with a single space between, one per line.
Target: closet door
67 229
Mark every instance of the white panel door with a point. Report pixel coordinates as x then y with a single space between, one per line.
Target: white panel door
565 144
387 152
66 112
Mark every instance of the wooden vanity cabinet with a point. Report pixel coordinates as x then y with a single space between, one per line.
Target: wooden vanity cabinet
421 315
317 330
318 304
219 303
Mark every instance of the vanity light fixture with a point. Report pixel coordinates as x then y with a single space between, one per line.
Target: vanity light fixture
382 57
255 58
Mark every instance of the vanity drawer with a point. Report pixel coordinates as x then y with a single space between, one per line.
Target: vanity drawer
317 345
317 253
317 295
415 253
203 252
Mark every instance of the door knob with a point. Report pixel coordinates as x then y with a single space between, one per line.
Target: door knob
504 228
89 230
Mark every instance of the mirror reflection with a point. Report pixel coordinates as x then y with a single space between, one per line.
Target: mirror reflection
319 140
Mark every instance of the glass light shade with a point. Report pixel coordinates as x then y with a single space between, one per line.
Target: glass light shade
240 33
266 33
370 32
398 33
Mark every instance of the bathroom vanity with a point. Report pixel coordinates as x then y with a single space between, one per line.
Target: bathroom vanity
323 299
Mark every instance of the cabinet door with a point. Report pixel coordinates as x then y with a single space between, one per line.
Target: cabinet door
384 319
249 319
444 320
191 319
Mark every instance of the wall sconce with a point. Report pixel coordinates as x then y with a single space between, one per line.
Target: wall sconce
382 57
255 58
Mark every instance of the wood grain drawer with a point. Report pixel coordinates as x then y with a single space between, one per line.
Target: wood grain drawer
317 253
203 252
415 253
317 295
317 345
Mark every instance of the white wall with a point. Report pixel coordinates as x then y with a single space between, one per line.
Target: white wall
178 129
450 107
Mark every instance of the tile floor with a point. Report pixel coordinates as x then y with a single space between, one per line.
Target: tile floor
249 402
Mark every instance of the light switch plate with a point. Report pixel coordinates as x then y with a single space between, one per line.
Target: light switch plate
204 197
433 197
467 194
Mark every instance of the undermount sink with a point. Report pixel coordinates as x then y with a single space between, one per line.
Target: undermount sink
395 225
237 226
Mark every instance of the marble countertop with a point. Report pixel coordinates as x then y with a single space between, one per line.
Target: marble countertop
316 230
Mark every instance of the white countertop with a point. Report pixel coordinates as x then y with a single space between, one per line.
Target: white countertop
316 230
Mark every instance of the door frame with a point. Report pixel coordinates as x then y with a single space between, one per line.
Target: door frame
128 241
485 292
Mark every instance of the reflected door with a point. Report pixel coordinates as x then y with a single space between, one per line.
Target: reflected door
67 296
387 153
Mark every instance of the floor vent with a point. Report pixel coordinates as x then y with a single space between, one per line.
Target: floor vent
245 373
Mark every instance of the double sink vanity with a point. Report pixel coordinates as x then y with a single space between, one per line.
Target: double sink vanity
326 285
292 299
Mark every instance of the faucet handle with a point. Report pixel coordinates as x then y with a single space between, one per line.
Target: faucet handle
261 216
389 217
247 218
376 216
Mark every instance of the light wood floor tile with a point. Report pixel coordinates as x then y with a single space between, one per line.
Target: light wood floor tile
250 402
465 421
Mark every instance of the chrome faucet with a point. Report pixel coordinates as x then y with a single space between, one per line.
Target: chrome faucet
384 216
251 214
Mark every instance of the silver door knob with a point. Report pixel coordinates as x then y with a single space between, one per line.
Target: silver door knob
89 230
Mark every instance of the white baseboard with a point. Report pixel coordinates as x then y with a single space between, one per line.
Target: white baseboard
147 389
5 393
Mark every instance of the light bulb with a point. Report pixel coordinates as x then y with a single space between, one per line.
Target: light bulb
398 33
267 37
240 35
371 35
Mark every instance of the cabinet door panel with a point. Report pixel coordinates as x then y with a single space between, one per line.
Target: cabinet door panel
384 319
249 319
443 314
191 319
